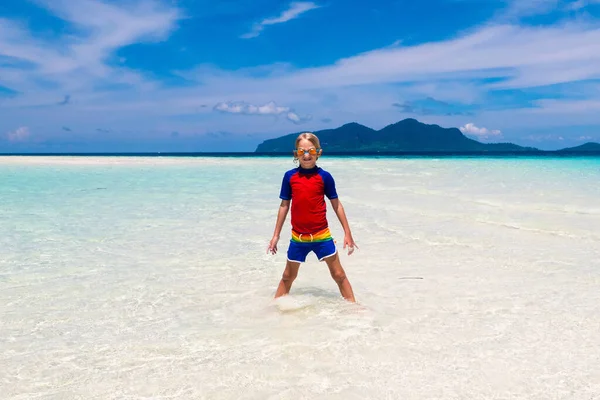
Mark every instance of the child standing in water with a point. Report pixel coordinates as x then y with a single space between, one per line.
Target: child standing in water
306 187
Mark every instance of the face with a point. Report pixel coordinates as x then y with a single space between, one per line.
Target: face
307 160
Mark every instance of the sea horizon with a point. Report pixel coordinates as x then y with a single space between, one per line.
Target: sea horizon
366 154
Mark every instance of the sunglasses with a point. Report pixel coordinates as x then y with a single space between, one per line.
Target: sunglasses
311 151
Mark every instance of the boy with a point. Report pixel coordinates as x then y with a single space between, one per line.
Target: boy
305 187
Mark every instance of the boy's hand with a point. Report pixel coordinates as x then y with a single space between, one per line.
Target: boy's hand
272 248
349 241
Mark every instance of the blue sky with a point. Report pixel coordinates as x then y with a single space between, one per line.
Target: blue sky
199 75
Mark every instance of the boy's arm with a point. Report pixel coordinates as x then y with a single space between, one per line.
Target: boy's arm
284 207
337 206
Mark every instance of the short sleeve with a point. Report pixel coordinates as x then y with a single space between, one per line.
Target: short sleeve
286 188
329 183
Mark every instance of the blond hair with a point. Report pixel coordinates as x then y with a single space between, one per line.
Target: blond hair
310 137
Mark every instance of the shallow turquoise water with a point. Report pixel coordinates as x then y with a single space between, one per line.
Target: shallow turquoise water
148 277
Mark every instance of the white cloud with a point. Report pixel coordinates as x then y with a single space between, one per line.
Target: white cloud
518 9
244 108
296 119
19 134
294 11
544 138
577 5
484 133
75 59
516 57
269 108
568 107
584 138
526 8
580 4
292 116
519 56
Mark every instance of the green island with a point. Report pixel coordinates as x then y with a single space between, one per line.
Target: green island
407 135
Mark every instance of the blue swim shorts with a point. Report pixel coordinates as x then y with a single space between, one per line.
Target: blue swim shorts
299 250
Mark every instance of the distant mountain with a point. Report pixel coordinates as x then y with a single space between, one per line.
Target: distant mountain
408 135
584 148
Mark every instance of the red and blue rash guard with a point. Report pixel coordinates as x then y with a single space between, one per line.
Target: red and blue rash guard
306 189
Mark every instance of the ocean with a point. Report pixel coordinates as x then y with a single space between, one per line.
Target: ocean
148 278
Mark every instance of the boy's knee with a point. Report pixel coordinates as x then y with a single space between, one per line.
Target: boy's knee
338 275
289 275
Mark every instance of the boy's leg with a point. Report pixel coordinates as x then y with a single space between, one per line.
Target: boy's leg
339 276
289 274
